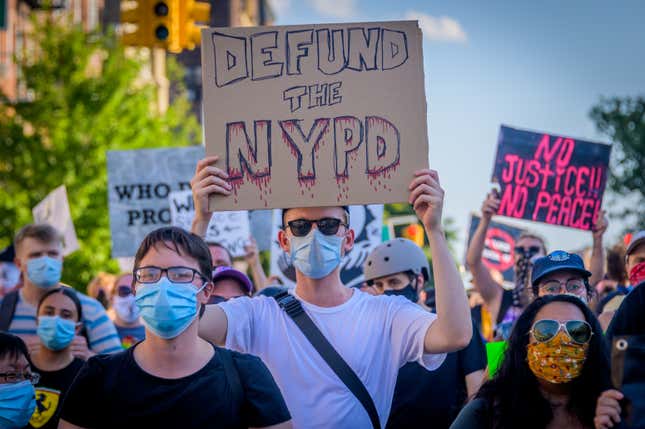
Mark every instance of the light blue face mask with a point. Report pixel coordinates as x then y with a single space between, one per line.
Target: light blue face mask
44 272
55 332
17 404
316 254
167 308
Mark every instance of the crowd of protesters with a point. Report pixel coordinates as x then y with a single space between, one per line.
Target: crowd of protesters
186 340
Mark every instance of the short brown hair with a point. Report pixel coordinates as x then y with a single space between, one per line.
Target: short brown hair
43 232
179 241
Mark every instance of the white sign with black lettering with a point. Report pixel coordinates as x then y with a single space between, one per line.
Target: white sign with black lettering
230 229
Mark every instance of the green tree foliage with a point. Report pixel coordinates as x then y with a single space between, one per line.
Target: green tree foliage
86 97
623 120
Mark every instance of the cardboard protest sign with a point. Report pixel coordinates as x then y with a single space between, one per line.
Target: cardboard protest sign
548 178
230 229
139 183
498 246
366 221
54 210
315 115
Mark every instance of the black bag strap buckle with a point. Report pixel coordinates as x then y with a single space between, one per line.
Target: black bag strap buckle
289 304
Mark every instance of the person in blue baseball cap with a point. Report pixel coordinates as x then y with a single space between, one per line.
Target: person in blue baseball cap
561 272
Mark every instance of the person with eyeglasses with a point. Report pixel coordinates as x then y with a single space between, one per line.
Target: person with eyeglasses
173 378
554 369
561 272
502 307
124 311
59 320
17 394
374 335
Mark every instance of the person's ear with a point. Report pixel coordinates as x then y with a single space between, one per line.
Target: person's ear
420 282
205 293
283 241
349 240
18 263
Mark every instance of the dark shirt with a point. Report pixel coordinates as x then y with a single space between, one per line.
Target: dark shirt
112 391
630 316
434 398
50 391
129 336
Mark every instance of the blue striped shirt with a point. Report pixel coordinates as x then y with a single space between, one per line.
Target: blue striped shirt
101 333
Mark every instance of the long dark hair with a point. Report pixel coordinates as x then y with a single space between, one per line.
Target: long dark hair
513 396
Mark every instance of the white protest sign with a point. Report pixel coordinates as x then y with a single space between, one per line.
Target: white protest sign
230 229
139 182
366 221
315 115
54 210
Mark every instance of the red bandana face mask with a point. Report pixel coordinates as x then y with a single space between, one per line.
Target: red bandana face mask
637 274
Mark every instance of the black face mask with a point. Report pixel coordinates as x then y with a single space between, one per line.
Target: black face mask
409 292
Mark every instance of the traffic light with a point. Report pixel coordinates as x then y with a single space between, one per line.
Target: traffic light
415 233
168 24
163 11
189 12
136 23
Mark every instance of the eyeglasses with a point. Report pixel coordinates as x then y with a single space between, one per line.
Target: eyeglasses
17 377
578 330
152 274
554 287
326 225
531 250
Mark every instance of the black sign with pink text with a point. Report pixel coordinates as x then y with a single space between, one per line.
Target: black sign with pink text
548 178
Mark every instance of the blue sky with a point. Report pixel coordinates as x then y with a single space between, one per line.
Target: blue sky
534 65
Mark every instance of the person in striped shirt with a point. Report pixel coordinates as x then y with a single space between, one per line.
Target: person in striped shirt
39 255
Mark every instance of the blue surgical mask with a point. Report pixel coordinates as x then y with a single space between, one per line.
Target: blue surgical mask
44 272
17 404
126 308
316 254
167 308
55 332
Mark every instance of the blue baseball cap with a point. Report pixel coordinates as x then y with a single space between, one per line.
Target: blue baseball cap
558 260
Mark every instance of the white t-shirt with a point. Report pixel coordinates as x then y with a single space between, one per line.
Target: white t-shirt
375 335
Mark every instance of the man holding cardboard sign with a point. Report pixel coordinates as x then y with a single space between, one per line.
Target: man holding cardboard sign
370 337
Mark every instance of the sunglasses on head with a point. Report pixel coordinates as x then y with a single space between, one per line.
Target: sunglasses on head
326 225
578 330
530 250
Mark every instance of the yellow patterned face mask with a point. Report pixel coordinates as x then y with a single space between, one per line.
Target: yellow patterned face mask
558 360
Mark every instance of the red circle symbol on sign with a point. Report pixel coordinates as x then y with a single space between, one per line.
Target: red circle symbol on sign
498 253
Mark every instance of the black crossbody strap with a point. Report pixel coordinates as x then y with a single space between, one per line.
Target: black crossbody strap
294 309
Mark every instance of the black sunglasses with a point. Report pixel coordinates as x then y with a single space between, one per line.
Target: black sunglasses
326 225
532 250
578 330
